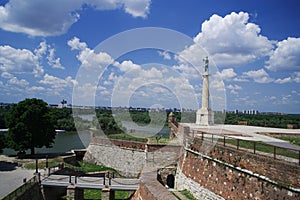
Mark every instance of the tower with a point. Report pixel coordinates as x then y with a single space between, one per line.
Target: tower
205 115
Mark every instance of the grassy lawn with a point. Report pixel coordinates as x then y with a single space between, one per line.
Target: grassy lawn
292 139
263 147
83 166
124 136
53 162
96 194
188 195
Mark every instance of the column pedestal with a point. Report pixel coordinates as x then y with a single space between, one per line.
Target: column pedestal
205 117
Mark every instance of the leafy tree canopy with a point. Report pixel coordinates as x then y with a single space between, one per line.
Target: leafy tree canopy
30 125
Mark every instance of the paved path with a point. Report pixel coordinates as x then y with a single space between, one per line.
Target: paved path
12 179
250 133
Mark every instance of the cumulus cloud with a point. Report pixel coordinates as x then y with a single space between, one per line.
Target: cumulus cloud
166 55
52 61
55 17
127 65
230 40
87 56
56 82
6 75
227 74
259 76
286 56
16 81
19 61
284 80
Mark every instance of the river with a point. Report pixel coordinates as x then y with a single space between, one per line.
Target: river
63 142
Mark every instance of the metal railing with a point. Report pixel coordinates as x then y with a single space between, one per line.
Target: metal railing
256 147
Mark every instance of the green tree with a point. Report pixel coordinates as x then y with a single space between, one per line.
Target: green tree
30 125
2 142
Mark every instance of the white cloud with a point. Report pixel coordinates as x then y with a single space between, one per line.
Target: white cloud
75 44
55 17
19 61
230 40
87 56
297 77
52 61
16 81
127 65
137 8
35 89
6 75
233 88
58 83
284 80
227 74
166 55
259 76
286 56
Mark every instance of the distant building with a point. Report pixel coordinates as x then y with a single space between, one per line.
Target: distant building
63 104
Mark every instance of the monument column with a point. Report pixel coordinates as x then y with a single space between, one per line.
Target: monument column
205 116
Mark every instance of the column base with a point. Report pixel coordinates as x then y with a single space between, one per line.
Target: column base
205 117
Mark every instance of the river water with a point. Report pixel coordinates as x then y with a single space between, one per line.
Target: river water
63 142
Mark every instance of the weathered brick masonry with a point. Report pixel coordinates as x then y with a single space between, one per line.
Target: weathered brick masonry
229 173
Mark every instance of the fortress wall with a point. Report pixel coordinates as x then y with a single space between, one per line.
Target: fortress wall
277 170
129 157
128 162
228 180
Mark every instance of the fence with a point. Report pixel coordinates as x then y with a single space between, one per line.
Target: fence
23 188
254 146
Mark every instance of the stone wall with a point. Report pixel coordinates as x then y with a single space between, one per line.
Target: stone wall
128 162
220 172
128 157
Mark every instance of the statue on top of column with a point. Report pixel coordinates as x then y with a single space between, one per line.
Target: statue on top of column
205 60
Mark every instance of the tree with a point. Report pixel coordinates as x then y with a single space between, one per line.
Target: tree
30 125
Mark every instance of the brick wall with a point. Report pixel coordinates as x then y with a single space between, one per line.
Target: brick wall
228 173
277 170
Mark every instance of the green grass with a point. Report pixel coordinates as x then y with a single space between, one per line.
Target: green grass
83 166
263 147
42 163
293 140
188 195
96 194
90 167
124 136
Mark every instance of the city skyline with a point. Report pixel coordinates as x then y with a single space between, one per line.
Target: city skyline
254 48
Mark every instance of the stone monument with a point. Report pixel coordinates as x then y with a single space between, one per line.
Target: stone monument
205 115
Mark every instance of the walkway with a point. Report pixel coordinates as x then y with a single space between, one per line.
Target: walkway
251 133
12 178
91 182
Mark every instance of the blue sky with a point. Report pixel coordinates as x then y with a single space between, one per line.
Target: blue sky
56 50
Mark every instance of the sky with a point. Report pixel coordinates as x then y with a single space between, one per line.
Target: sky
149 53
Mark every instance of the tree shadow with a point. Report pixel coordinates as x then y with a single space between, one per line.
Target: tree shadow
7 166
